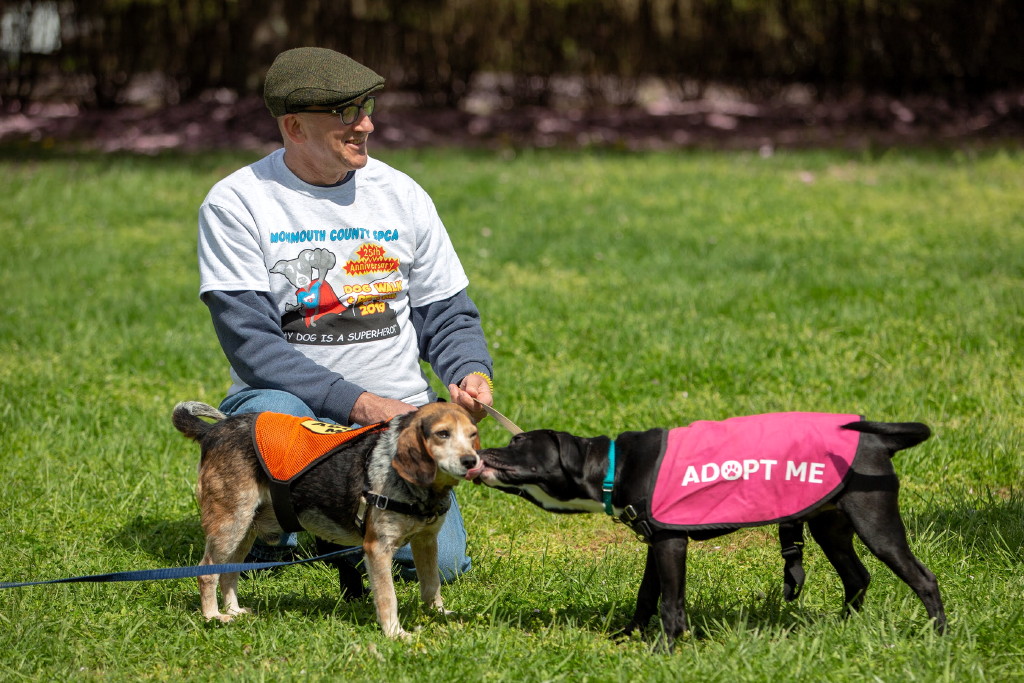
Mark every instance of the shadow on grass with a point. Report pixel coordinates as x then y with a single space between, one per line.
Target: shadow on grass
309 589
989 525
764 614
178 542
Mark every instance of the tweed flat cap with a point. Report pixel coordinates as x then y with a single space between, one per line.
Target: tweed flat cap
316 77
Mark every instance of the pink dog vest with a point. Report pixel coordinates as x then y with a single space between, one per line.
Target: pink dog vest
746 471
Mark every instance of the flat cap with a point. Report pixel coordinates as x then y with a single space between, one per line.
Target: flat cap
316 77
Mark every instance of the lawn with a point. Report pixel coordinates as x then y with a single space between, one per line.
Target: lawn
618 291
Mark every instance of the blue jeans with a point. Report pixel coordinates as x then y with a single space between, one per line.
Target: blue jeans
451 542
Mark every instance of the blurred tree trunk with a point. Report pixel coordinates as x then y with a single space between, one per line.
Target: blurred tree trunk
108 42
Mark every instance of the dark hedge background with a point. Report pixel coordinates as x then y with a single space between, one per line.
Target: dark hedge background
628 72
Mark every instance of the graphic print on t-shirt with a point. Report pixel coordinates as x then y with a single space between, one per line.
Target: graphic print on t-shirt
361 314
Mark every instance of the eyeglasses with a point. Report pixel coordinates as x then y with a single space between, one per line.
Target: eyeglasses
350 113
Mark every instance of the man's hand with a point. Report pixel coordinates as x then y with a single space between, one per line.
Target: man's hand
472 386
370 409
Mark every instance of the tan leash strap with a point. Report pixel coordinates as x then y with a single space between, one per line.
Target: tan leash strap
501 419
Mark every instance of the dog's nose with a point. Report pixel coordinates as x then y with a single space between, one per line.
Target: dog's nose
468 461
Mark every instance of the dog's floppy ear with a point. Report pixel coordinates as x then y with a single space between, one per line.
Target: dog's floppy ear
413 460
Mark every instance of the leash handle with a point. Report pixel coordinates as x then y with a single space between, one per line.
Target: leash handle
501 419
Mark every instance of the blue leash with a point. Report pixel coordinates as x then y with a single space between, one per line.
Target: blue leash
180 572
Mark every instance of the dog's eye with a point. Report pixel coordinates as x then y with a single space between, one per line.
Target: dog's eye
442 434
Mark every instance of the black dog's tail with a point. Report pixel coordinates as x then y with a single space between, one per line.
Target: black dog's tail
186 418
894 435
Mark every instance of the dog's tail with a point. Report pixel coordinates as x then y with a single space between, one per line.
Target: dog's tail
186 418
895 436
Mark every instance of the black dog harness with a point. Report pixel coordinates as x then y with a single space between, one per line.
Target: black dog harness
381 502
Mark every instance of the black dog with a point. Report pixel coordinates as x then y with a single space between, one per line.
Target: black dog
564 473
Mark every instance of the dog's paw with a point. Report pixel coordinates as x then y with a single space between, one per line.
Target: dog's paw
228 616
793 583
632 630
222 618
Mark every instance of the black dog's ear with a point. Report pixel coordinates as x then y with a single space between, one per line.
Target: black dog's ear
441 400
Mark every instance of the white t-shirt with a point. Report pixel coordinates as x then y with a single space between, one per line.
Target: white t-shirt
343 264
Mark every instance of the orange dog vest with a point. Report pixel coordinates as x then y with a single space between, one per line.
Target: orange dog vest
288 446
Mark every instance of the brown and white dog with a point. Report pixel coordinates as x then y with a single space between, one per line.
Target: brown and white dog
411 463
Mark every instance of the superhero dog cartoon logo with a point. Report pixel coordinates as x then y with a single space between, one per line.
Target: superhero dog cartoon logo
361 314
315 297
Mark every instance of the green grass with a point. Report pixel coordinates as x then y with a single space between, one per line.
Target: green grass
618 292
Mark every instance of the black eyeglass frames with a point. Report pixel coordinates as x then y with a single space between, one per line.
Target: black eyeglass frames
350 113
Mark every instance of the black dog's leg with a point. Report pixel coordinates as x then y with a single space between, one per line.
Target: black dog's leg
791 541
349 576
646 598
834 534
880 527
350 580
670 556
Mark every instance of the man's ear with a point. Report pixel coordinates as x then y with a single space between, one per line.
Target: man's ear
413 460
293 128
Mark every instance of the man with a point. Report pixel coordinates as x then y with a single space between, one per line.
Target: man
329 275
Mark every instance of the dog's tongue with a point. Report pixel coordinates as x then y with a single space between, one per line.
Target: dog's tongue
475 472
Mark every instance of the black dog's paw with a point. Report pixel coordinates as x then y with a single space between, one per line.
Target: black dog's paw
661 644
793 583
630 631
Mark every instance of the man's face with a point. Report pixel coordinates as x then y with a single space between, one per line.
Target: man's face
332 148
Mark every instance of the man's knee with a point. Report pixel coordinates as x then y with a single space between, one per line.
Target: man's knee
265 400
454 567
450 566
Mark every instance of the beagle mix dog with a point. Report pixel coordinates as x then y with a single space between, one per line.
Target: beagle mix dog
387 486
630 477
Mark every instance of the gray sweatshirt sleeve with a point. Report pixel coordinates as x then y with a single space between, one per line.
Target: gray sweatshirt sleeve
249 329
451 338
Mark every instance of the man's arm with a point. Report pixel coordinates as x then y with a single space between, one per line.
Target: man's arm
452 340
249 329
